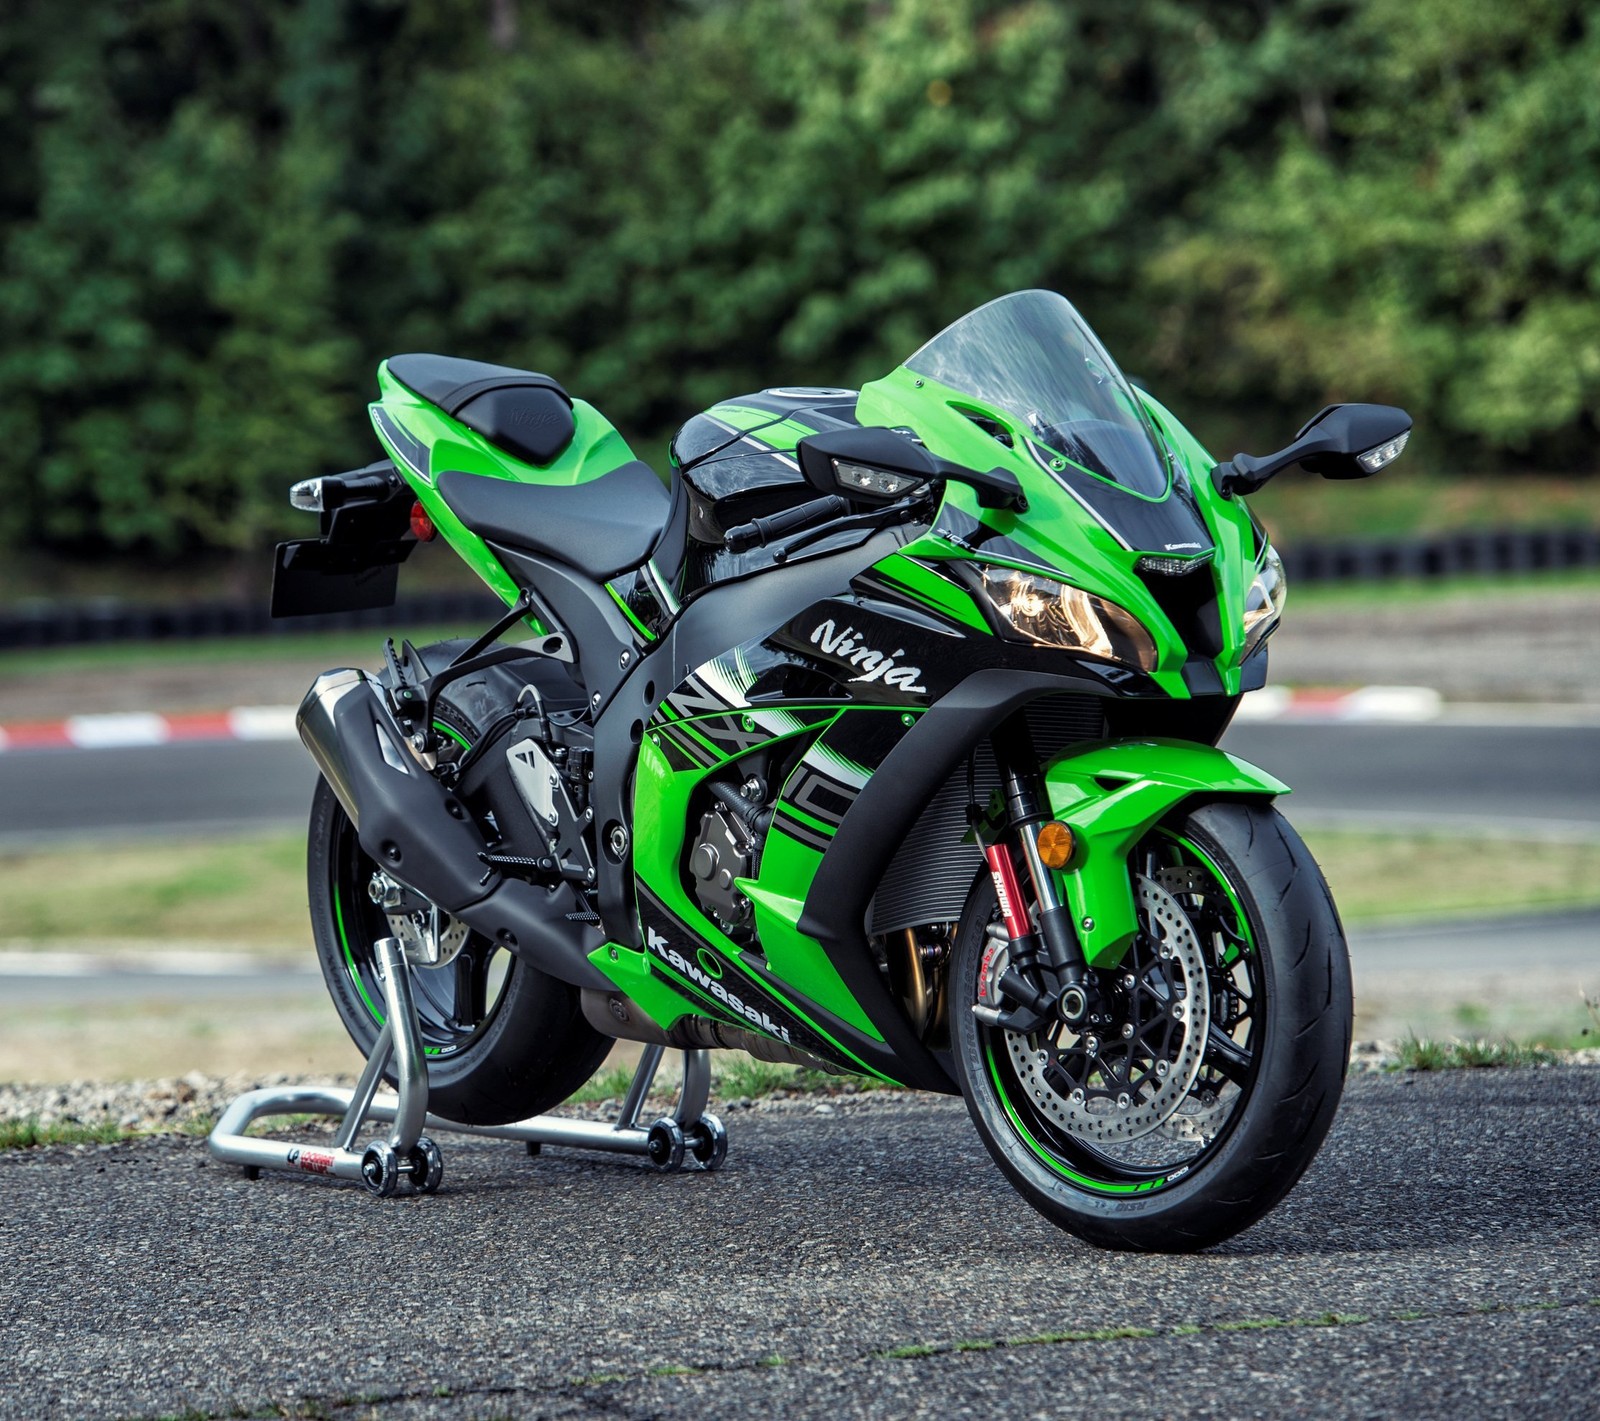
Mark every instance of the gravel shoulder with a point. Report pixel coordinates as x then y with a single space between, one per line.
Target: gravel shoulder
862 1260
1526 646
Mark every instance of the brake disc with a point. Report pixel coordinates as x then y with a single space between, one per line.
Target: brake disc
424 946
1127 1088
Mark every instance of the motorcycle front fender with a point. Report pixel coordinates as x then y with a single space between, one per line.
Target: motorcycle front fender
1111 794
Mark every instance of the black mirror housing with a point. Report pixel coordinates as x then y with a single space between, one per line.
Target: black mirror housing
842 460
1353 431
1339 442
869 447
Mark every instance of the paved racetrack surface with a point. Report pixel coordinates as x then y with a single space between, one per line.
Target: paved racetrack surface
1441 1257
1508 777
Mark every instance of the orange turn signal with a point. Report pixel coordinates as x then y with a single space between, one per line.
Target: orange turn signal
1055 844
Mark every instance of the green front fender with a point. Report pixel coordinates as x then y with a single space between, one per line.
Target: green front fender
1111 794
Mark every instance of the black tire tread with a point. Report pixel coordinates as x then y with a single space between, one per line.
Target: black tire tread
535 1053
1303 1055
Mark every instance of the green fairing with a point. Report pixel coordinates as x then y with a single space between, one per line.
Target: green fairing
1111 794
1059 537
939 593
1055 534
661 808
596 449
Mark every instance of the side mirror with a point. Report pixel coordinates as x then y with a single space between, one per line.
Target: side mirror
880 465
1340 442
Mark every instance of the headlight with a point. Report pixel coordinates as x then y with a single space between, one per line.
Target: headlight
1049 613
1263 604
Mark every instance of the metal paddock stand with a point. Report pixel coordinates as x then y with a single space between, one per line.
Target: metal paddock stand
410 1156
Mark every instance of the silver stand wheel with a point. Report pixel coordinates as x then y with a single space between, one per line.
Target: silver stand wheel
380 1169
708 1141
666 1144
427 1166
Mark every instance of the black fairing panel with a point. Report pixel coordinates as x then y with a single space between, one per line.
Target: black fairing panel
734 474
1166 525
583 609
883 813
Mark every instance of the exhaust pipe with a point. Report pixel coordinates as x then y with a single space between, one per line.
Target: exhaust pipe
422 835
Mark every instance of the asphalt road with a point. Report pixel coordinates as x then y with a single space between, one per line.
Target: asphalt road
1524 776
1440 1258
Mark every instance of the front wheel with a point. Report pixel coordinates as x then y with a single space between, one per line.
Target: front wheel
1198 1100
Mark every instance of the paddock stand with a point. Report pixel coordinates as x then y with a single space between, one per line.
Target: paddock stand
410 1156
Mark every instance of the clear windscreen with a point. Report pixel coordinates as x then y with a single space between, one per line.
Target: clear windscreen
1032 356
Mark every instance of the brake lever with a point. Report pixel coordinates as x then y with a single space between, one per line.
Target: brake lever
877 518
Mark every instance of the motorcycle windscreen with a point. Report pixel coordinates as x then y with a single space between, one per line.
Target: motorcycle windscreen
1032 356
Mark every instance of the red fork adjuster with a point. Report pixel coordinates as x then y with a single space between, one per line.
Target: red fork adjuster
1007 889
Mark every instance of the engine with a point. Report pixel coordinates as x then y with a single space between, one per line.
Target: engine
727 848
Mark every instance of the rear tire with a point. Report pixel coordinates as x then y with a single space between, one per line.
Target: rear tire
1263 1099
507 1043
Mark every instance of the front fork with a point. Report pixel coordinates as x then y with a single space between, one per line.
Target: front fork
1042 973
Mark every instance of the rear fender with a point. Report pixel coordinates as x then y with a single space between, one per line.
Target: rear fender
1111 794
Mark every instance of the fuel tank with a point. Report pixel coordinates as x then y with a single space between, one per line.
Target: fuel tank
738 462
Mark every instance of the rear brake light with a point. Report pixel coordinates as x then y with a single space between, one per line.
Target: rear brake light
421 525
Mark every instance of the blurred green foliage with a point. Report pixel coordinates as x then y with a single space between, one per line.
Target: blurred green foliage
217 216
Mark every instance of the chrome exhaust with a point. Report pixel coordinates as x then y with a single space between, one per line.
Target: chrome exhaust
315 722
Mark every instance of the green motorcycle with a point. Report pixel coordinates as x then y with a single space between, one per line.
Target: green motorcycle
880 738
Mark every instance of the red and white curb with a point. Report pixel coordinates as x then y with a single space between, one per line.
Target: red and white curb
1376 705
1379 705
133 728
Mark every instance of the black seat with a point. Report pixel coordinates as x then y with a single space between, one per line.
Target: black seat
604 527
520 411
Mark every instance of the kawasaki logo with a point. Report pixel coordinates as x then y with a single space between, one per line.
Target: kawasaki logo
848 645
709 984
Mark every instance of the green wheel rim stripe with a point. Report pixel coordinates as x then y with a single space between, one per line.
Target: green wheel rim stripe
350 957
1242 923
460 739
1083 1181
1241 920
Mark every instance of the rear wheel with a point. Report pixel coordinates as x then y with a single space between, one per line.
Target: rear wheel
503 1040
1195 1105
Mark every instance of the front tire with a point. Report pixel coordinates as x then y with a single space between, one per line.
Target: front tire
1231 890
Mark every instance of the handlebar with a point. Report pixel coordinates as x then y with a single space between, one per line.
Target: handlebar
760 531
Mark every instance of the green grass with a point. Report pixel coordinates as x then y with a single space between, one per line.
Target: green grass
247 892
737 1076
30 1134
361 648
611 1084
1408 591
1425 1054
1406 503
745 1076
1427 874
